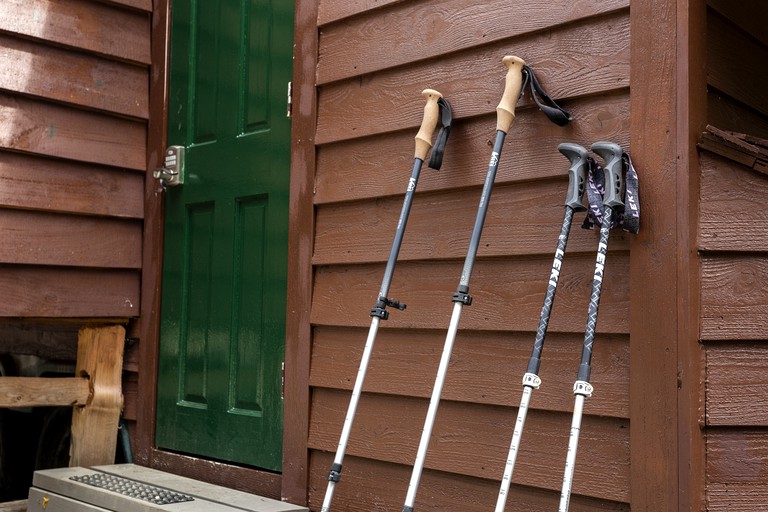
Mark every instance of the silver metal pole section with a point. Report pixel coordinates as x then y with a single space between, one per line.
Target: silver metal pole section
378 313
570 458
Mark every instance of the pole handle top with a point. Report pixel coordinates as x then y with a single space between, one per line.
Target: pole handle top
428 123
614 187
577 174
513 84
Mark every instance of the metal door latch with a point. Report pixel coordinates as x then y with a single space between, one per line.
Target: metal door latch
172 172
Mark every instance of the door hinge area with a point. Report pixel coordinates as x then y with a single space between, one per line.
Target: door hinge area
290 99
282 380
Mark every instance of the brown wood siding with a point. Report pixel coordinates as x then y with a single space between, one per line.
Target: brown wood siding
74 106
734 298
368 109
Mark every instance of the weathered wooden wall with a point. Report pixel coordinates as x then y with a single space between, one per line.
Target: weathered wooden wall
733 243
74 79
369 107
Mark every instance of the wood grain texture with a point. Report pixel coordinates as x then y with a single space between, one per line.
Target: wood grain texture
62 75
44 292
729 191
54 341
507 294
473 440
589 61
736 470
84 24
144 5
367 168
51 130
42 392
727 114
94 426
732 69
34 183
435 28
329 11
486 367
14 506
522 219
38 238
736 384
734 297
369 485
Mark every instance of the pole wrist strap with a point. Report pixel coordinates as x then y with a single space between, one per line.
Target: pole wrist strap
554 112
629 217
446 117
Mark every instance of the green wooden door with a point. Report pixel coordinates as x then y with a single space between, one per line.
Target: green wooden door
222 333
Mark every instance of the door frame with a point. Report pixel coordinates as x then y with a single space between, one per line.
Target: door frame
292 484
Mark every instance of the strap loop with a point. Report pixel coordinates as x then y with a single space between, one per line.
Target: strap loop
629 218
446 117
554 112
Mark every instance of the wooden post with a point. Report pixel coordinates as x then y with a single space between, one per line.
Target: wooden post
94 427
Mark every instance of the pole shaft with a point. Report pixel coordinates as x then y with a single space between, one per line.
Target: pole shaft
372 332
513 448
570 458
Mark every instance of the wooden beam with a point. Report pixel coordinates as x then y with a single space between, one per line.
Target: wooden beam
94 427
43 392
14 506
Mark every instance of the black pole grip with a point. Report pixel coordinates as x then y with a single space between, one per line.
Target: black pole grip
614 186
576 174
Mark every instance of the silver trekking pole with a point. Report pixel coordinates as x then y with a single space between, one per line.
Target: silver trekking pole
435 105
582 389
577 155
505 114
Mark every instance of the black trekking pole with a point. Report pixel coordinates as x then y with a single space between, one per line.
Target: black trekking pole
436 107
505 115
577 155
582 389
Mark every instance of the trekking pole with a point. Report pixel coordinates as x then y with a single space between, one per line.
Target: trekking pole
582 389
577 155
505 114
435 105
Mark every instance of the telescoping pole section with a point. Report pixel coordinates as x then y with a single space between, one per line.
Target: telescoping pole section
505 115
379 312
582 389
577 155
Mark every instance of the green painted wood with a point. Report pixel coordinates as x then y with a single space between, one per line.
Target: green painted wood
226 229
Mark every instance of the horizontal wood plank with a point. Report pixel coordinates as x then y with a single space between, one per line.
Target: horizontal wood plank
43 392
49 340
474 81
473 440
92 26
14 506
728 192
736 497
144 5
736 462
522 219
749 15
367 483
734 297
507 294
62 75
486 367
727 114
46 129
435 28
329 11
376 167
45 292
38 238
36 183
737 384
732 69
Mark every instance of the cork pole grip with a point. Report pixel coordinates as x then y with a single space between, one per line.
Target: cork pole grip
428 124
505 112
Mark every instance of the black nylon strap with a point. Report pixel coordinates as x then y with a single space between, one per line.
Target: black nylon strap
554 112
446 117
629 217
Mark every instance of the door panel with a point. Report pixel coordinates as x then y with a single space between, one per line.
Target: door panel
222 328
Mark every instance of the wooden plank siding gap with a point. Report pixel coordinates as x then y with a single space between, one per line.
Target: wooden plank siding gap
139 5
97 27
600 54
435 28
329 11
